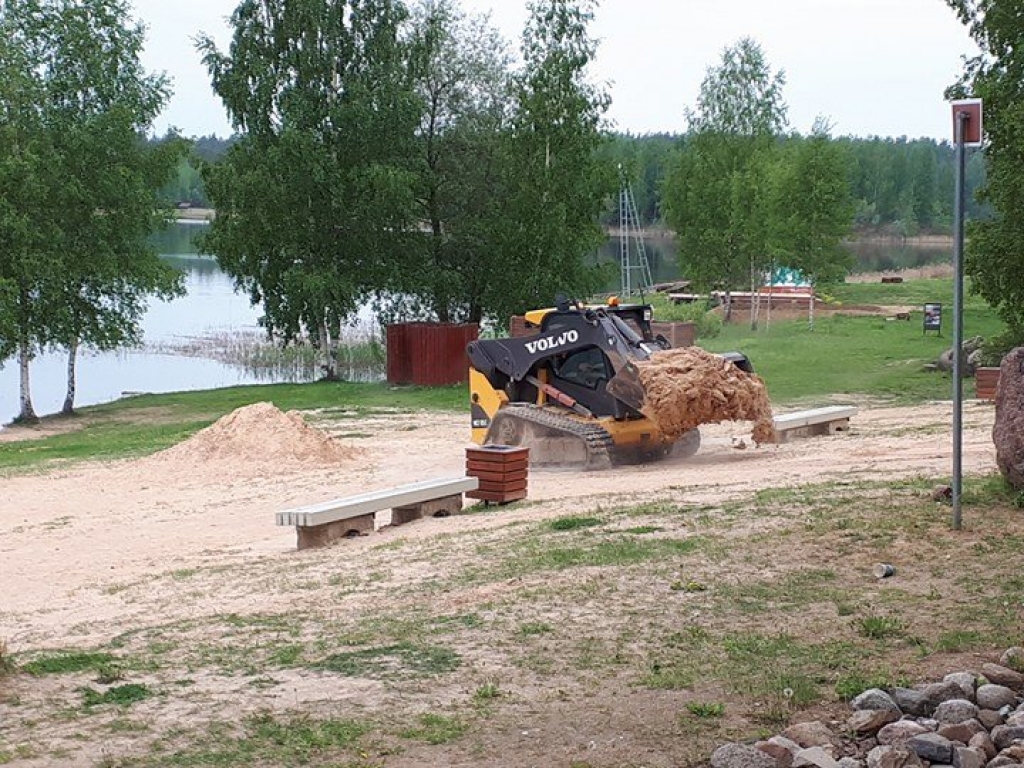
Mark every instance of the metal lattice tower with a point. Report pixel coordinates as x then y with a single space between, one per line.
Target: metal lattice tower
636 272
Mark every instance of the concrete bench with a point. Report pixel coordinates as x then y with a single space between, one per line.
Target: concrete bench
817 421
320 524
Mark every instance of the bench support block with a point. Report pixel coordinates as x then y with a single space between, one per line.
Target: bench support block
444 507
829 420
813 430
310 536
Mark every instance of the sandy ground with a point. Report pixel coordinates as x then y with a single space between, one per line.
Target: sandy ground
71 540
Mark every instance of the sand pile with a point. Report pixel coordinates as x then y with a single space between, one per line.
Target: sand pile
257 438
688 387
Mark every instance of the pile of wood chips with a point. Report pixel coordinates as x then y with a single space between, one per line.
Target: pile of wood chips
687 387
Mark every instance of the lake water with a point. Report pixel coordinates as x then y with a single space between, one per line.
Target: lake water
212 309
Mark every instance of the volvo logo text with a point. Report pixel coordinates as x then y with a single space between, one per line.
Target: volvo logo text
548 343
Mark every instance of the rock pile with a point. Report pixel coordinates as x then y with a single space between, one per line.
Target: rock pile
687 387
969 720
972 351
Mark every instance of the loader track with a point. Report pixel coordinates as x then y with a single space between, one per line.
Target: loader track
555 422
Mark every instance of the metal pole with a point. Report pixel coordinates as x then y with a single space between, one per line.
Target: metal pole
958 319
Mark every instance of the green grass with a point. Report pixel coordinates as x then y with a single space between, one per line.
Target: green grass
881 627
398 660
269 740
535 628
617 551
573 523
68 662
915 293
705 709
98 441
487 692
121 695
140 425
435 729
848 355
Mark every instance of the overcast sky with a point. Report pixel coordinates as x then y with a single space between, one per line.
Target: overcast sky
871 67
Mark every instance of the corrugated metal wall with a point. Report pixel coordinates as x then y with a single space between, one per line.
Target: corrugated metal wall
429 354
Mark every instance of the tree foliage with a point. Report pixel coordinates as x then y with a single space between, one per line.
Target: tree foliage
462 69
555 187
811 207
993 258
741 96
315 199
716 193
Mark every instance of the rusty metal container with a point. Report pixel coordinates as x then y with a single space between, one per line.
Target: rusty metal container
429 354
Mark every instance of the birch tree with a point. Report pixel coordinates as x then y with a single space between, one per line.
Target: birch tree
713 193
79 184
316 200
555 186
463 78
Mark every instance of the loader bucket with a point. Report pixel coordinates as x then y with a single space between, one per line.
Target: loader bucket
626 386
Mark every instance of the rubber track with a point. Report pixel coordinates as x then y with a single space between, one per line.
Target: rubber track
599 443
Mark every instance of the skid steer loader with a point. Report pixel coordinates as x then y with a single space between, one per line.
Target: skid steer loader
571 392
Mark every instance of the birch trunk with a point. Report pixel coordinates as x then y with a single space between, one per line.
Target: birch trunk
69 398
755 299
328 364
28 413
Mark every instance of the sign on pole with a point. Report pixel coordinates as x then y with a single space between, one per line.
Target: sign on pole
968 113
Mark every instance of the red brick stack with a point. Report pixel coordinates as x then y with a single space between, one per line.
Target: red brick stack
502 471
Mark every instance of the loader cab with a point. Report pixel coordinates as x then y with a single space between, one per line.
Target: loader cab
584 373
633 321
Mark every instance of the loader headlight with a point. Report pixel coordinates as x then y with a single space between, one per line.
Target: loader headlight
648 314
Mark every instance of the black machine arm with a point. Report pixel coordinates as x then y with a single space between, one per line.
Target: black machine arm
565 333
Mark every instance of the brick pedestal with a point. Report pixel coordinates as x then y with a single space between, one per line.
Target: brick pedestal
985 382
502 471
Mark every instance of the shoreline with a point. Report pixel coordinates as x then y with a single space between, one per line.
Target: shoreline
206 215
917 241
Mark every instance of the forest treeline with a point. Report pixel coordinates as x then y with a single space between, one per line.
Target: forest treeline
901 187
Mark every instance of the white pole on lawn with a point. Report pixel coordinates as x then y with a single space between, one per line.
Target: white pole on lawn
967 129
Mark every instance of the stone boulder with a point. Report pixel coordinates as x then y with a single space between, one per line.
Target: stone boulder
955 711
741 756
970 348
1008 432
894 757
991 696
